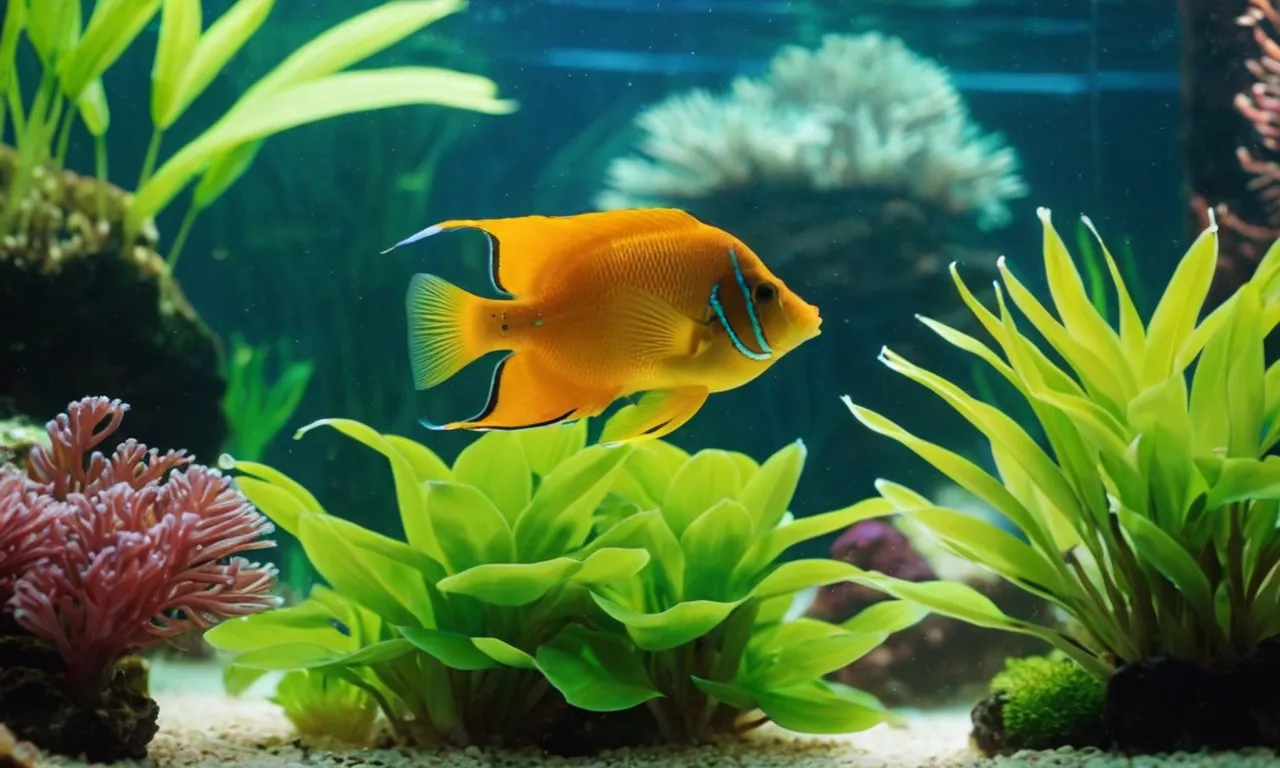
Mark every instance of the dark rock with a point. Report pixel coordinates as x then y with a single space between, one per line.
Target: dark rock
988 735
118 724
82 314
1165 705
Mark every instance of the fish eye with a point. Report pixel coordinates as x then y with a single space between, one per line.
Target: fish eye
765 293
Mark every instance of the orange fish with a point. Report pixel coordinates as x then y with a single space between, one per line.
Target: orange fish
603 306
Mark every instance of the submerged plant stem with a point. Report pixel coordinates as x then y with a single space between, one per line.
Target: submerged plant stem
100 166
149 160
180 239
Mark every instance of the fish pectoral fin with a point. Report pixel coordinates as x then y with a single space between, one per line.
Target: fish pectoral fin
523 248
652 328
526 394
657 414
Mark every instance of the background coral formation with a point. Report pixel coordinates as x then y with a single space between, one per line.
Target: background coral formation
861 112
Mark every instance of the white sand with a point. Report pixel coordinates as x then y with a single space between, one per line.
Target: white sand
200 726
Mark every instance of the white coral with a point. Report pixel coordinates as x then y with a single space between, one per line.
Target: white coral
861 112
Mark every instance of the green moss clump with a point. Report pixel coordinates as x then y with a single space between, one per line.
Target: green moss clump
1050 701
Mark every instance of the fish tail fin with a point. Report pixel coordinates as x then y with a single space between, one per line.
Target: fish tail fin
445 332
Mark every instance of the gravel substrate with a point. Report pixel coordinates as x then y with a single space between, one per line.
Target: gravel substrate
199 726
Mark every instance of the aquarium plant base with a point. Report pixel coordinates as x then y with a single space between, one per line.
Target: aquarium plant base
201 726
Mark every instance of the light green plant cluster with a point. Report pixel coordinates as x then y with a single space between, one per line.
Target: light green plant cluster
1149 512
539 575
321 704
1049 701
258 408
309 85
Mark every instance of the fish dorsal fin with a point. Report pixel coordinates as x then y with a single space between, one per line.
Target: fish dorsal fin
521 248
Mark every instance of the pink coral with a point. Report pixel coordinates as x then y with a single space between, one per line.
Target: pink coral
123 557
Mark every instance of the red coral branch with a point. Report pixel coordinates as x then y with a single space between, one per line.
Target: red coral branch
127 559
1260 105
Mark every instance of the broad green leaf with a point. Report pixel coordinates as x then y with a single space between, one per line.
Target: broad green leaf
649 531
558 519
15 20
546 447
768 492
733 695
93 108
385 546
886 616
275 478
770 546
652 465
496 464
354 40
680 624
987 545
283 510
180 22
409 491
236 680
1175 315
222 40
595 671
224 171
963 472
304 656
281 656
714 544
702 482
747 466
425 463
471 531
1245 480
505 653
1167 556
1078 314
309 623
1164 452
1102 382
389 588
339 94
53 28
454 650
112 28
960 601
793 576
820 708
511 584
1133 339
1001 430
611 564
795 658
1246 371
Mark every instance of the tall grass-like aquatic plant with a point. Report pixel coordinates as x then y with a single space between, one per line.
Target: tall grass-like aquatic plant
309 85
539 573
1149 510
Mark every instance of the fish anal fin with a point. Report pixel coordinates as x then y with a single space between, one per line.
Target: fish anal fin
521 249
525 394
651 328
657 414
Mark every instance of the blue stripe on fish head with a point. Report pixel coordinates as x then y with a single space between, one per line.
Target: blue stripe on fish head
752 312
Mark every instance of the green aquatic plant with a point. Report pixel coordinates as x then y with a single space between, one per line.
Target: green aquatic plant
323 704
309 85
539 572
1151 516
258 408
1049 701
